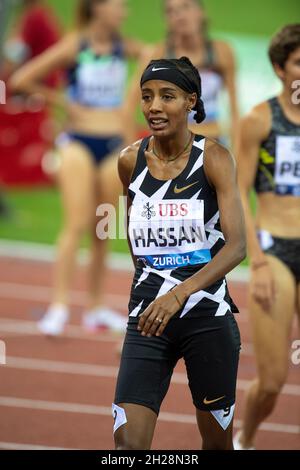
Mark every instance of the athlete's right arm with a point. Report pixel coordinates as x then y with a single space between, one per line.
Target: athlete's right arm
27 78
126 165
254 129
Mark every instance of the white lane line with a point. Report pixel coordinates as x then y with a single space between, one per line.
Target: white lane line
106 411
10 290
288 389
92 370
43 294
43 253
116 261
274 427
29 328
42 365
17 446
35 293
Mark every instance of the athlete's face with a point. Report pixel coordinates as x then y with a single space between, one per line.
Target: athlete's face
165 106
291 71
184 17
111 12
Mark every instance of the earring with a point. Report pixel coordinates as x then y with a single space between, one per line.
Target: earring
189 110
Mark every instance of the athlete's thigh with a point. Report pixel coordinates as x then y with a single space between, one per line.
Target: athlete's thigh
271 329
298 302
134 425
109 187
146 368
211 353
77 182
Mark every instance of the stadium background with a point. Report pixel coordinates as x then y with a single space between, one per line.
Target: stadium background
36 212
57 393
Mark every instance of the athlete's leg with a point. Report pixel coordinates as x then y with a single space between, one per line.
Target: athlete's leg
271 332
77 183
214 437
144 377
107 192
109 176
137 432
298 306
211 348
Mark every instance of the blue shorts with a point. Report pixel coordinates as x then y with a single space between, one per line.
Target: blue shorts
98 147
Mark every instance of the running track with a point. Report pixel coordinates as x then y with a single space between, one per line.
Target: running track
57 393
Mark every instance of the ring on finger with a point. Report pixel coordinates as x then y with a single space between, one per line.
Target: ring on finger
159 320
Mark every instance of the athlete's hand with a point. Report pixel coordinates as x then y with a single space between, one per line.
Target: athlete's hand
262 287
155 318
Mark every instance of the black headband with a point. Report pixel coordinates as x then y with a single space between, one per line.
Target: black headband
169 74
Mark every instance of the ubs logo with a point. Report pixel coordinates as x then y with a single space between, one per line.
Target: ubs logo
148 211
173 209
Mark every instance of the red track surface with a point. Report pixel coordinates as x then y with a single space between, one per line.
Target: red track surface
58 393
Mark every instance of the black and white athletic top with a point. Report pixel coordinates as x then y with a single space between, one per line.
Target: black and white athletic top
278 169
174 230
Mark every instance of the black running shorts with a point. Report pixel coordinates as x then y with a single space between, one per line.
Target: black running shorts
210 347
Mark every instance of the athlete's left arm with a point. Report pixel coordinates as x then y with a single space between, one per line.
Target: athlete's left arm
227 65
220 171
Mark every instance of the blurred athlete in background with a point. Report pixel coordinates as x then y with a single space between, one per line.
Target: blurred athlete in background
95 57
187 35
33 29
269 162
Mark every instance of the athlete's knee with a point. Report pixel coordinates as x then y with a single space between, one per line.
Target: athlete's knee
272 386
75 229
129 442
268 392
221 444
128 439
128 436
216 428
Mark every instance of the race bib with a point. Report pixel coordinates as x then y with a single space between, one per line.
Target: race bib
168 233
287 171
101 82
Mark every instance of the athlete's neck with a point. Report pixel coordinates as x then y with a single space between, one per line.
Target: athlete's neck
167 147
189 42
99 33
290 102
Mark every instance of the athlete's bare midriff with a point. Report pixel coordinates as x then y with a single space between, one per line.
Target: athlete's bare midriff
279 215
100 122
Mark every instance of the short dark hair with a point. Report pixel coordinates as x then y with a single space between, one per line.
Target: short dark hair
283 43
